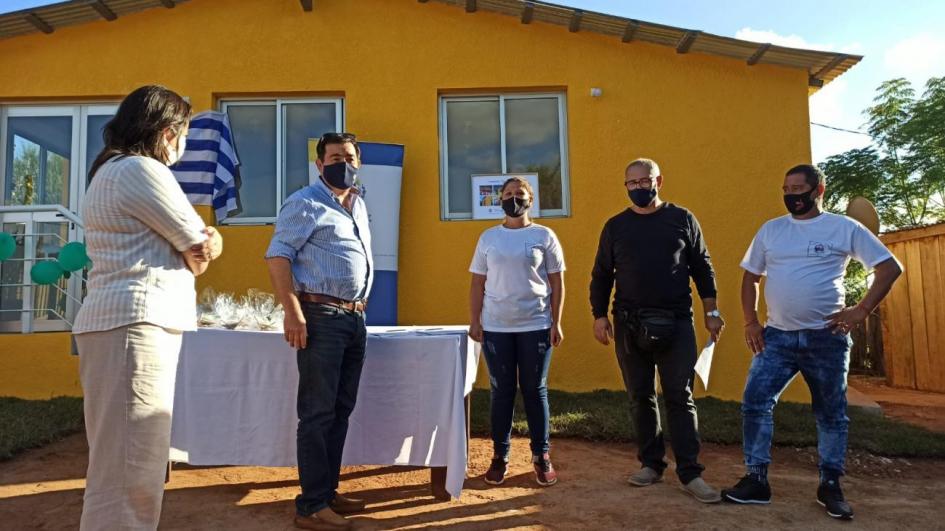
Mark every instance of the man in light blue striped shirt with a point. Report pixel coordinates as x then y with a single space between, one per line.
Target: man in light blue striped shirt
321 268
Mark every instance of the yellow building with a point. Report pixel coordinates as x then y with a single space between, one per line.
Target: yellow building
468 87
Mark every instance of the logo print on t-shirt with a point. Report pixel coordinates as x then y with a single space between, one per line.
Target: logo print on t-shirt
818 249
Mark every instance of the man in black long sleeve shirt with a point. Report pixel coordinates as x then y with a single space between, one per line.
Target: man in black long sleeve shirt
651 250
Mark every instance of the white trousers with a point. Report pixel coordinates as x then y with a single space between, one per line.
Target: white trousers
128 383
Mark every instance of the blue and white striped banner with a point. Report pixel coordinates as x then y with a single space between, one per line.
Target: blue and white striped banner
208 170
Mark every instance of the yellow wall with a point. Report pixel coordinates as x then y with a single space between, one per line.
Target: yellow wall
38 366
723 132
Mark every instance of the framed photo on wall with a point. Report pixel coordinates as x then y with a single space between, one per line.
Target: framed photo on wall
487 201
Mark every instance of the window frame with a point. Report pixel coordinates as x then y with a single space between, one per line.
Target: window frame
280 110
78 165
502 97
80 111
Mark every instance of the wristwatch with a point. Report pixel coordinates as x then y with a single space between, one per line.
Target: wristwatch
713 313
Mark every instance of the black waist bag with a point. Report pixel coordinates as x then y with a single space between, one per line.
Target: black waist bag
653 328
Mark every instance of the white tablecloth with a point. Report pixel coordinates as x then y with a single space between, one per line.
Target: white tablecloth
236 393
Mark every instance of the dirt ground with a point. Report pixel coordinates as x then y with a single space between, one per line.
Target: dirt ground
42 489
915 407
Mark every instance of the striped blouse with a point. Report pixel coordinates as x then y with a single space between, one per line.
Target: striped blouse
137 224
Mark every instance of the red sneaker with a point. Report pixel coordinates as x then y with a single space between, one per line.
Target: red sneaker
545 473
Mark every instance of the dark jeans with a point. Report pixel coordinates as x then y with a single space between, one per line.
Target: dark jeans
823 359
329 373
526 355
676 369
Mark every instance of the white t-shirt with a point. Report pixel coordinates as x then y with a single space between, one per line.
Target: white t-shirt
805 262
516 264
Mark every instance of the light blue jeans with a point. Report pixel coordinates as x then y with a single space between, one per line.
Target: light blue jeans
823 359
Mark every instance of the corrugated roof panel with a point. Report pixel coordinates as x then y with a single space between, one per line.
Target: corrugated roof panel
499 6
708 45
603 25
79 11
71 13
15 24
658 36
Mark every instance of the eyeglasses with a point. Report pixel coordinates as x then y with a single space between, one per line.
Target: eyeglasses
646 182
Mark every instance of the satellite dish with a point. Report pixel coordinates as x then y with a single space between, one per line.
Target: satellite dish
863 211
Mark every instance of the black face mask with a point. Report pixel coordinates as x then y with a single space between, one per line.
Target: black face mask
807 202
515 207
339 175
642 197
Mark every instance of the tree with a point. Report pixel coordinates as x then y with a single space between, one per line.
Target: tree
549 183
25 171
903 173
27 177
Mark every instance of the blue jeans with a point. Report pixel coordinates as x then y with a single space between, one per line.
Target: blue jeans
329 373
823 359
528 356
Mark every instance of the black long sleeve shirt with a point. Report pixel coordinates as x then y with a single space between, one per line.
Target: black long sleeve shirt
651 258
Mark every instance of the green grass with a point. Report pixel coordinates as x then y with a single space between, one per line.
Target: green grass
595 416
28 424
604 416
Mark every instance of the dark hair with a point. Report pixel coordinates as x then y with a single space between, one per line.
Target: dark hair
138 126
521 182
336 138
812 174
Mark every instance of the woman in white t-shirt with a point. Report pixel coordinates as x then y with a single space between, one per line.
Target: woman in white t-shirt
516 298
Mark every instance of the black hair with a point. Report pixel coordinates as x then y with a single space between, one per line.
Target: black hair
336 138
812 174
138 126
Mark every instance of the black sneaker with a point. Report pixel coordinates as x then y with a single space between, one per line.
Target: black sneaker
830 496
497 471
748 490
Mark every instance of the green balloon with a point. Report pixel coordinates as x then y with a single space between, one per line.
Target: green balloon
47 272
7 245
72 256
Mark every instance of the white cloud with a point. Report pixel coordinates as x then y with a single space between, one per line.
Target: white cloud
794 41
830 106
916 58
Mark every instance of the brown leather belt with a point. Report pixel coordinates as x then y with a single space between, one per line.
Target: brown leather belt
318 298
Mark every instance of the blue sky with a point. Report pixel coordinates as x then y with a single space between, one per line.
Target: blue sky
898 39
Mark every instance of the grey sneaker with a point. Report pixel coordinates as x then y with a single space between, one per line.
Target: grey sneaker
702 491
645 477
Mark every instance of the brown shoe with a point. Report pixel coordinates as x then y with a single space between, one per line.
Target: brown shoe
344 505
324 520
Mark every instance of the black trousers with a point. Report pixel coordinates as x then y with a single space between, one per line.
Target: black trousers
676 370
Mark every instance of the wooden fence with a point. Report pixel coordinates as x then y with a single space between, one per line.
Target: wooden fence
913 314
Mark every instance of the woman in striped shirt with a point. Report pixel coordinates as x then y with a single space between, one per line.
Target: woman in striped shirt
147 244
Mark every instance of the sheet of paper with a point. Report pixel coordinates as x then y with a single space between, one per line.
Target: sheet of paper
704 363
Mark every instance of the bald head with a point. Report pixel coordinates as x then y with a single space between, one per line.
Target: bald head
651 168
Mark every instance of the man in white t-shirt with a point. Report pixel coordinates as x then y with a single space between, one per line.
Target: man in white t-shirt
804 256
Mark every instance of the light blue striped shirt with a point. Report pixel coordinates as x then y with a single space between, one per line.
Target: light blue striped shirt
328 247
